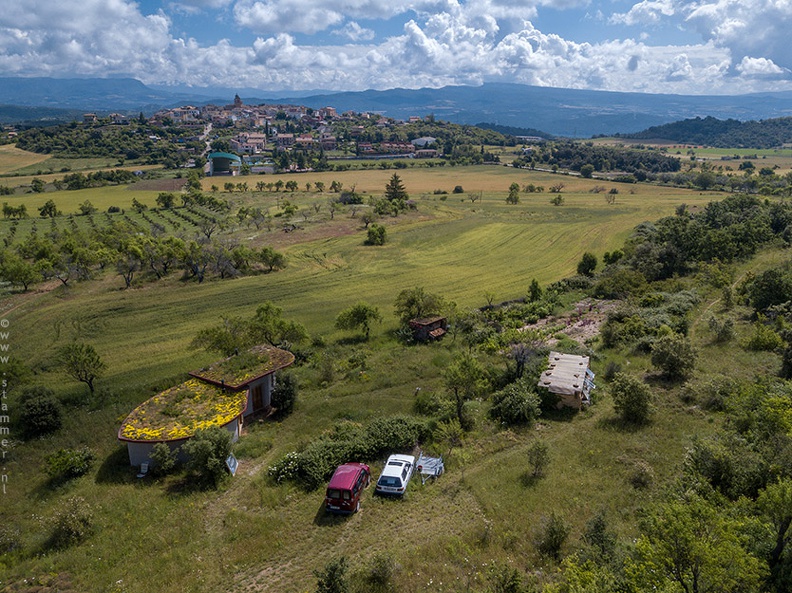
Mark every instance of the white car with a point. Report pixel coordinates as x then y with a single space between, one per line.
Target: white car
396 475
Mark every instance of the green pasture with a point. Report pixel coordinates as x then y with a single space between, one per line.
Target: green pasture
158 534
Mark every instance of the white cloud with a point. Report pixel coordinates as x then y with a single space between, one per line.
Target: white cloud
761 68
355 32
746 27
648 12
445 42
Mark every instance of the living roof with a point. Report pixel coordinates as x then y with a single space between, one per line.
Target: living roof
178 412
238 371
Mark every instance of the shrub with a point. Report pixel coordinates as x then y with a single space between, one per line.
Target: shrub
165 459
376 235
516 404
632 399
73 523
763 338
642 475
313 465
66 464
40 412
380 572
722 328
332 578
207 452
113 209
284 395
539 458
587 264
674 355
458 189
552 535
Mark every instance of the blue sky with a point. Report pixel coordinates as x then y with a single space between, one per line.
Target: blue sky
658 46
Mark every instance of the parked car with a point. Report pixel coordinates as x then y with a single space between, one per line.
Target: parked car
396 475
345 488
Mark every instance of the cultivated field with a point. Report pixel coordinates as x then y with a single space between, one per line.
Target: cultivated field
252 535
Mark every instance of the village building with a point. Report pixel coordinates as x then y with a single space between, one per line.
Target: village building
570 378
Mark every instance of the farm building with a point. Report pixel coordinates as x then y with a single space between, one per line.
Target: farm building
569 377
222 394
428 328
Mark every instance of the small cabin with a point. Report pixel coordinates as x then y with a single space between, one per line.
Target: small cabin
570 378
428 328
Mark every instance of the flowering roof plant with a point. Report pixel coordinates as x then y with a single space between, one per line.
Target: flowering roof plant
180 411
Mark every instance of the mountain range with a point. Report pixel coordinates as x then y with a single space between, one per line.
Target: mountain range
561 112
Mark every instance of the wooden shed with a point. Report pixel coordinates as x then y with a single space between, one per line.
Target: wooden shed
428 328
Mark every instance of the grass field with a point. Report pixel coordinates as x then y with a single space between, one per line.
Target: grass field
252 535
13 159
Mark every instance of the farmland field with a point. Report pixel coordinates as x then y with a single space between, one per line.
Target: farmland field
253 535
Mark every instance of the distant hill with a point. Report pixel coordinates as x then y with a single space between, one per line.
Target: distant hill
560 112
36 116
711 131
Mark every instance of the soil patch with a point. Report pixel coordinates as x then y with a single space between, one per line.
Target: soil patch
581 324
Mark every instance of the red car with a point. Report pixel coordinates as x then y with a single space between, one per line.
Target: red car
345 488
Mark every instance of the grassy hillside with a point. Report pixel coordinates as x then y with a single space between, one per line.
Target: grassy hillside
252 535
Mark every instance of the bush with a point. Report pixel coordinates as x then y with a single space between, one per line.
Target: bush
587 264
539 458
376 235
40 412
312 466
458 189
284 395
516 404
552 535
380 572
332 578
764 338
66 464
207 452
674 355
164 459
74 522
722 328
632 399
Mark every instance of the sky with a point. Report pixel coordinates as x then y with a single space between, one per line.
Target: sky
656 46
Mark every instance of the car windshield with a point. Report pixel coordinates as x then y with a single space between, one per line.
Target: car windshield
389 481
333 494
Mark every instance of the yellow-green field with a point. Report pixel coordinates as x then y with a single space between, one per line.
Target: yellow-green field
12 159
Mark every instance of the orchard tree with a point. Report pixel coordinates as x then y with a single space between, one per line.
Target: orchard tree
82 363
359 316
49 209
268 325
231 336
